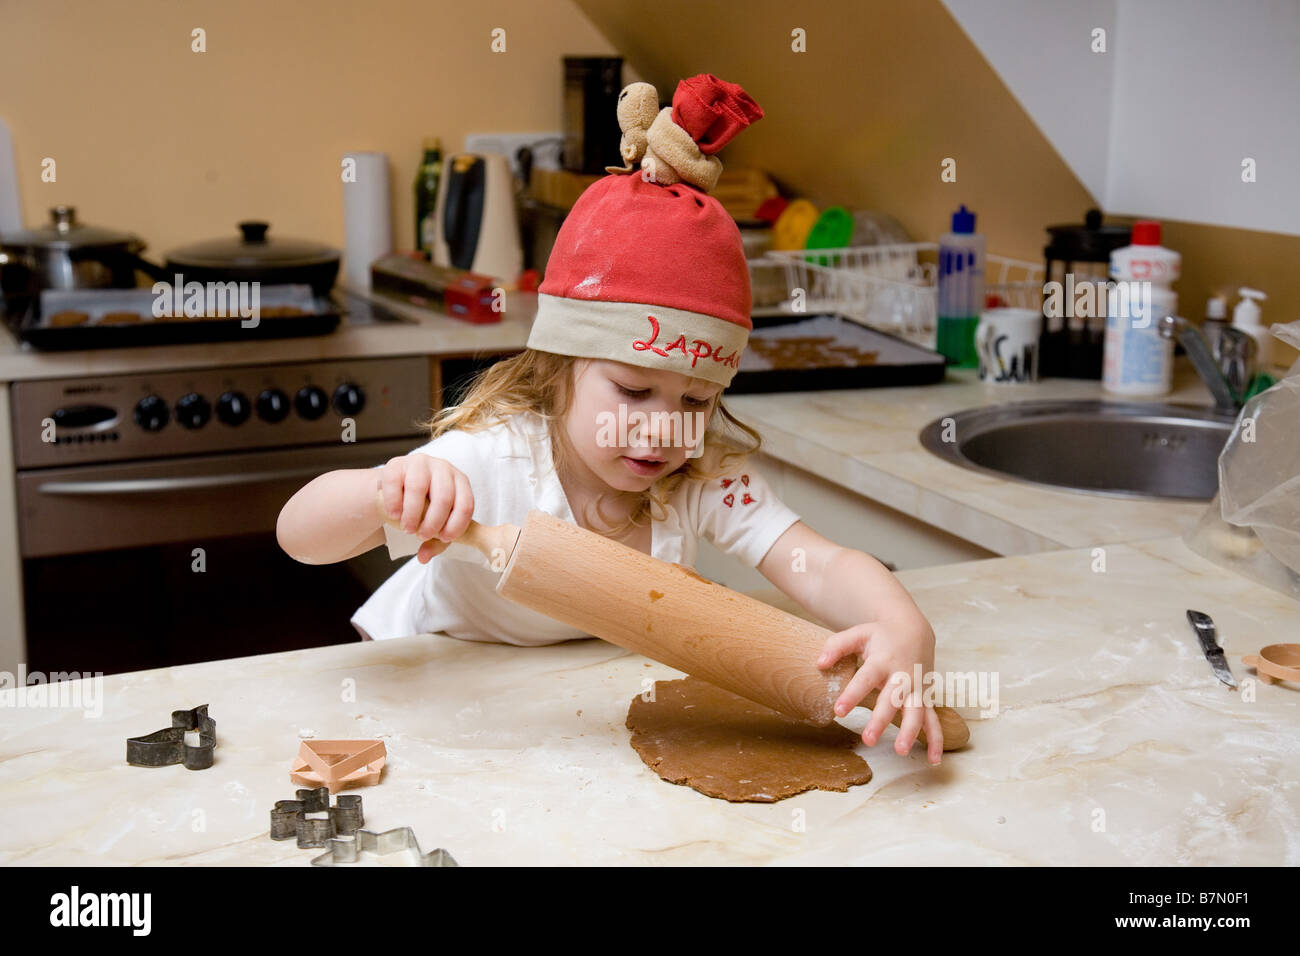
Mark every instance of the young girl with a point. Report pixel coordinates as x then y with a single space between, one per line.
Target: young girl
640 325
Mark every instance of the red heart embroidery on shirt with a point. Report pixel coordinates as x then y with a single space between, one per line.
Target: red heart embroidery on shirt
729 500
744 480
747 500
726 482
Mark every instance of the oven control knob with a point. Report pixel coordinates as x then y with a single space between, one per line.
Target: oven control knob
193 410
272 406
151 413
233 408
311 402
349 399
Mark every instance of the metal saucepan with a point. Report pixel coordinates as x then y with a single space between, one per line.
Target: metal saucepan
68 255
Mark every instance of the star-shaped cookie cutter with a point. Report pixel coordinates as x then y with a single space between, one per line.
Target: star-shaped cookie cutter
400 840
289 817
167 746
338 764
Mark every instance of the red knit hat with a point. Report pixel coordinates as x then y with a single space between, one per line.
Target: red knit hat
648 269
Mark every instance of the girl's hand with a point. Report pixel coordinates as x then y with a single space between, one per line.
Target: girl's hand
428 497
890 649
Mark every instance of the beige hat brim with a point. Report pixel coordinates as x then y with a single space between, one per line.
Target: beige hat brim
691 343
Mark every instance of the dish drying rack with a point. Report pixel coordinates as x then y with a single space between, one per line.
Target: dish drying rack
892 288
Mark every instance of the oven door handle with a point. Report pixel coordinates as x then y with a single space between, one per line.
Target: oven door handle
142 486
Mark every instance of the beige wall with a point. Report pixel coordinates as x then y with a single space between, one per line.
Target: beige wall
177 146
886 91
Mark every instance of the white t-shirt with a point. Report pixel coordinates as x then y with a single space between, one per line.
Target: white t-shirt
510 470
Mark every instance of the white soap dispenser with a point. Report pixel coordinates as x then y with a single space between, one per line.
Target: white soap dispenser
1216 320
1247 317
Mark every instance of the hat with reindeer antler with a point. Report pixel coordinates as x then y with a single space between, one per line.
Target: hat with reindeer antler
648 268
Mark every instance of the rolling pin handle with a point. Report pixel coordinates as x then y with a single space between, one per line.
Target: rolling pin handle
495 542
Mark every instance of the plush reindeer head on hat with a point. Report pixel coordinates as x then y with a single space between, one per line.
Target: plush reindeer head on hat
677 144
647 272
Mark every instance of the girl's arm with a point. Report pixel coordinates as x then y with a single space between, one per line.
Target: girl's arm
336 516
332 518
841 586
873 616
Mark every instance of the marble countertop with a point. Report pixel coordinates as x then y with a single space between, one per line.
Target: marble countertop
429 332
867 440
1112 744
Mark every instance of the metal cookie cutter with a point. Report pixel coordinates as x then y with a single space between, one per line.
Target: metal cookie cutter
168 746
289 817
401 840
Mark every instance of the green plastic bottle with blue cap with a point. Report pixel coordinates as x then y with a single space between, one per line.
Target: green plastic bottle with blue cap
960 289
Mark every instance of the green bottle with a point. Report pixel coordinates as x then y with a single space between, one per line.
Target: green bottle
426 195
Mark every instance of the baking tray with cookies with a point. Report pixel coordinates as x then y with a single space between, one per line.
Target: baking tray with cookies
108 318
826 351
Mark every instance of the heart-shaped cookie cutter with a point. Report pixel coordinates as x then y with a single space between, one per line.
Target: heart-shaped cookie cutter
1276 662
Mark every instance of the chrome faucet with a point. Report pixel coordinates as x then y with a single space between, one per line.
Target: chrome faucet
1226 371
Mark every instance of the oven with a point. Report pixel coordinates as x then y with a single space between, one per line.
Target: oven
147 506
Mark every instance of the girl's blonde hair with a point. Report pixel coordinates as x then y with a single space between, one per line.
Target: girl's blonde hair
542 382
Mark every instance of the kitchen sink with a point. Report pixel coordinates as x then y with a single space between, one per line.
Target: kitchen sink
1121 449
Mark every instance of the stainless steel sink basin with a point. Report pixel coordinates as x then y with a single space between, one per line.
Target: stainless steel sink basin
1122 449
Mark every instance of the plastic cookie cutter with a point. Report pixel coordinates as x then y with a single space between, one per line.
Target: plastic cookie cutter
390 843
1276 662
289 818
165 747
338 764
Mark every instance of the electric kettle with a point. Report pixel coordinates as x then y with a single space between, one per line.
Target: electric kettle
475 222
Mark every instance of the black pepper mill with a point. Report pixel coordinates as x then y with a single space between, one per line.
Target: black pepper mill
1078 258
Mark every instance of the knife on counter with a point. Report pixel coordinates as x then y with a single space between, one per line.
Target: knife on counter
1203 625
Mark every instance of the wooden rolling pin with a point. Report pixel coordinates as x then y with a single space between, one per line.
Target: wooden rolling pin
673 615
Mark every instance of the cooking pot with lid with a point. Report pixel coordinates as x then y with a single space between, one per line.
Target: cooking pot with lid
255 257
67 255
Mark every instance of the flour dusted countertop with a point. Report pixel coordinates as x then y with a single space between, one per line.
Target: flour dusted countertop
428 333
1112 744
868 441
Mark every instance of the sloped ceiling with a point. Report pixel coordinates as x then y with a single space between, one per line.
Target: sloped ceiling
885 92
1048 58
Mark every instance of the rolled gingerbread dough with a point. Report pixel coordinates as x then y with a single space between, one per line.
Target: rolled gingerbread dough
725 746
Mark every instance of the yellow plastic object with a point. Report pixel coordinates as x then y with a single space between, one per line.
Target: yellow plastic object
791 229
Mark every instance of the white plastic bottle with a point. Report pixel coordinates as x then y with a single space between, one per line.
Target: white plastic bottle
1247 317
1136 359
960 289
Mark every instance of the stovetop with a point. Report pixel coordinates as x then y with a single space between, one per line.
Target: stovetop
356 310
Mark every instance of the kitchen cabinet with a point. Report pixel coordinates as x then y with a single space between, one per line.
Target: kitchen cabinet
11 574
